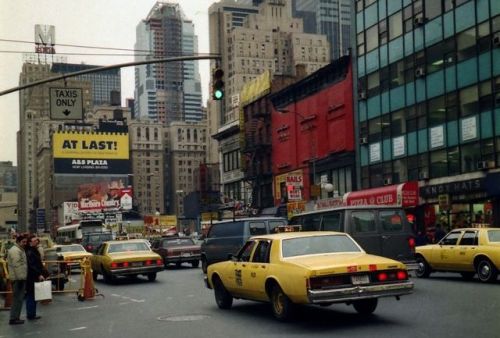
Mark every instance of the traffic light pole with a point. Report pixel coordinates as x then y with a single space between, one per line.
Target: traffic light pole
120 65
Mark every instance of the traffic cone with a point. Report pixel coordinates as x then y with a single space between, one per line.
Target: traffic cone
8 296
88 287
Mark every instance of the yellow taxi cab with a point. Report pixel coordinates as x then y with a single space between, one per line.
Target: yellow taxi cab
125 258
291 268
72 254
467 251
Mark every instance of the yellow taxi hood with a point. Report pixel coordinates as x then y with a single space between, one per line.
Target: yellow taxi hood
344 262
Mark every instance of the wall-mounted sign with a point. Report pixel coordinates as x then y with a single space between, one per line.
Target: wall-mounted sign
437 137
375 153
469 128
398 146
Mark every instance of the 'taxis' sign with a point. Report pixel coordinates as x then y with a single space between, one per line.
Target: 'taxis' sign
66 104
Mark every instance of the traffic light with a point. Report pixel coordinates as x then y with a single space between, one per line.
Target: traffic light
217 84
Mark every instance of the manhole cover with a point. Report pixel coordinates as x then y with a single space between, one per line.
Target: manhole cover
184 318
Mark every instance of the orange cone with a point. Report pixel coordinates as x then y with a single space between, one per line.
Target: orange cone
88 287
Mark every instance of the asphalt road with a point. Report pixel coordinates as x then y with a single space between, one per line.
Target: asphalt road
178 305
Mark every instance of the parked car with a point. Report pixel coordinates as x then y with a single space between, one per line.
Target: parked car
227 237
177 250
92 240
468 251
125 258
380 230
293 268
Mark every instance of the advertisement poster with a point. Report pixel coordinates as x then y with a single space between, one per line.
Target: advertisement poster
104 196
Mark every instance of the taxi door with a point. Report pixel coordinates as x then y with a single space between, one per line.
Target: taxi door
446 254
258 268
467 248
239 280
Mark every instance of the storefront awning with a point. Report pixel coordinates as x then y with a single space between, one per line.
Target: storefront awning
403 195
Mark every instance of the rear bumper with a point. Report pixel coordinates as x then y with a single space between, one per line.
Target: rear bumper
359 292
181 259
140 270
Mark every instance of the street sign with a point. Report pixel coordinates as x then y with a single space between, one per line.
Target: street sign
66 104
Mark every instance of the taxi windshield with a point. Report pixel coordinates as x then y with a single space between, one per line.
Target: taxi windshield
494 235
312 245
127 247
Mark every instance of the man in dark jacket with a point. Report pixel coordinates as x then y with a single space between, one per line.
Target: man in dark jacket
35 274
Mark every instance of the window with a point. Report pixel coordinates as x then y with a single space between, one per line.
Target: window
375 129
257 228
439 164
398 125
485 96
469 101
228 229
400 173
437 111
451 106
361 43
466 44
408 19
364 221
396 74
483 37
450 239
372 38
261 254
453 161
469 238
470 155
331 222
395 25
246 251
433 9
373 84
382 31
311 223
392 220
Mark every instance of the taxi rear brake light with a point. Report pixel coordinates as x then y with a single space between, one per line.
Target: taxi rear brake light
125 264
148 262
114 265
411 243
159 262
382 277
402 275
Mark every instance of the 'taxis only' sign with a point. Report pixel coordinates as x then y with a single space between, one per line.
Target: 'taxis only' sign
66 104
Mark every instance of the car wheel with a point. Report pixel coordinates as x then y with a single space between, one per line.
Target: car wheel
486 271
282 306
365 306
108 278
178 264
204 264
152 277
467 275
423 269
223 298
195 264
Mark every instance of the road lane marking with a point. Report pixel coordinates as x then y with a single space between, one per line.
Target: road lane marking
137 300
115 295
124 303
78 328
87 307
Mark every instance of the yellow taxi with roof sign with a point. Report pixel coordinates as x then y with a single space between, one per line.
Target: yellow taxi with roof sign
290 268
468 251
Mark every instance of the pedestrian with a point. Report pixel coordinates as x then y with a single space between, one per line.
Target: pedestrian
35 274
439 234
18 272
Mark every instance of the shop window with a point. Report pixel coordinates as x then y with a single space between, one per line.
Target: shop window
375 130
437 111
400 171
453 161
466 44
469 101
470 156
372 38
395 25
373 84
382 31
396 74
439 164
433 9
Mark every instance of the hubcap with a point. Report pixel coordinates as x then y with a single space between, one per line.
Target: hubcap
278 303
485 270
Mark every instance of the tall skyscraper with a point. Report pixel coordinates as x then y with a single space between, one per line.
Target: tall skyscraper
332 18
170 91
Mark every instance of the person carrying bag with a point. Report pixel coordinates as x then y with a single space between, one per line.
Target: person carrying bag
35 275
43 291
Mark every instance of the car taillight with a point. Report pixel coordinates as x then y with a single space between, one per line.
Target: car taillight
325 282
114 265
148 262
411 243
90 248
125 264
402 275
159 262
382 277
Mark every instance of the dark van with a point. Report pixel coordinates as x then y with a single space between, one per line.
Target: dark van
92 240
227 237
380 230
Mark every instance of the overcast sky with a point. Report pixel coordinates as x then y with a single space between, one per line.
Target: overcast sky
102 23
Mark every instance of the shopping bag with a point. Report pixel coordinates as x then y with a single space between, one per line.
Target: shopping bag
43 290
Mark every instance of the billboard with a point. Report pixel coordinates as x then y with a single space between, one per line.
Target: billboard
103 196
77 152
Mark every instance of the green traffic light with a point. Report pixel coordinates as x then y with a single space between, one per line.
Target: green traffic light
218 94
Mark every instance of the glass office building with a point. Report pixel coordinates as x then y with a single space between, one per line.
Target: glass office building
428 104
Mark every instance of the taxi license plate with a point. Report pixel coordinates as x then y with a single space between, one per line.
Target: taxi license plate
186 254
136 264
360 279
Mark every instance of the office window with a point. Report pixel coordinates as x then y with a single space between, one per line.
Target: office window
433 9
373 84
453 161
488 150
451 106
437 111
376 175
396 74
408 19
375 130
485 96
384 79
398 125
386 126
382 31
395 25
372 38
361 43
466 44
439 164
435 60
469 100
470 155
483 37
400 171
